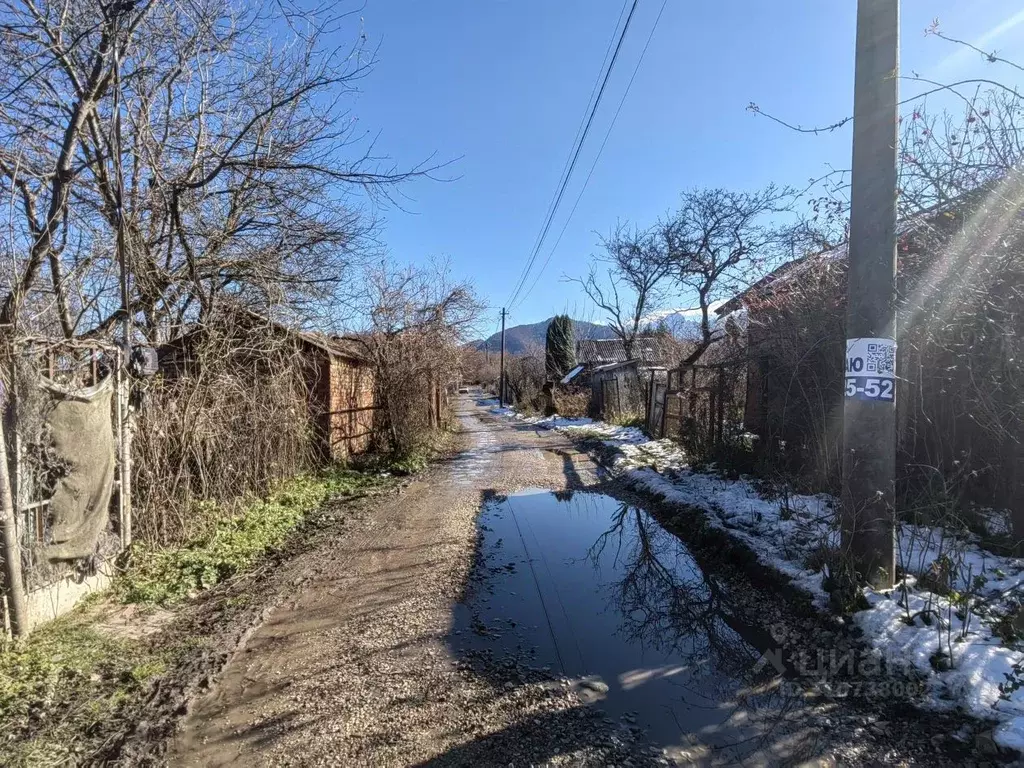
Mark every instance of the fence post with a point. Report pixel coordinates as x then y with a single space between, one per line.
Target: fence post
14 586
649 415
125 438
720 416
691 404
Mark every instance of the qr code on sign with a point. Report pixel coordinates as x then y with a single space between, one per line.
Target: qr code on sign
881 359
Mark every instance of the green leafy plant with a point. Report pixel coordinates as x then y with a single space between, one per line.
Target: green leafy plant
234 542
59 681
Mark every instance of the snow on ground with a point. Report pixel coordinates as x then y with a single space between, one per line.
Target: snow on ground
910 624
583 427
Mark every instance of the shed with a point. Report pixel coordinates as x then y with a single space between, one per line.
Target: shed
648 352
341 395
340 380
617 389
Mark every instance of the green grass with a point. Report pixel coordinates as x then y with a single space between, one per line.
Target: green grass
61 681
235 541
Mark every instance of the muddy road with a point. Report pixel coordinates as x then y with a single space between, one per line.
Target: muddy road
513 607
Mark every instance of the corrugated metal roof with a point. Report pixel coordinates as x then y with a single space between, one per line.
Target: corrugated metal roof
649 350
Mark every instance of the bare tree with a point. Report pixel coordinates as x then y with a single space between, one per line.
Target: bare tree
632 286
417 321
718 242
214 134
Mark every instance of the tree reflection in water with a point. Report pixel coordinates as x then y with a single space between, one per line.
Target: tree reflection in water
668 604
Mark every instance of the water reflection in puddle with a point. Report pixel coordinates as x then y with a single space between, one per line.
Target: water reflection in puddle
592 588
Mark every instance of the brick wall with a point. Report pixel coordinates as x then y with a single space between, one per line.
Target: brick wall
351 404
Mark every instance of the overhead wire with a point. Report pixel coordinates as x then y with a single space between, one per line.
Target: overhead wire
575 157
583 121
597 157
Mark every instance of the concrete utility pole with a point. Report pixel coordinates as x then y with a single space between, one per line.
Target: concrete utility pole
869 413
501 377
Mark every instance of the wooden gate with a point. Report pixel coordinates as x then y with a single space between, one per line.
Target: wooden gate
701 406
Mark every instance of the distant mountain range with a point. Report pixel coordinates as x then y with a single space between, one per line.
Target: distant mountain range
521 338
684 323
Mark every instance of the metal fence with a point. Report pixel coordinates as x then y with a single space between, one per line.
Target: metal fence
52 582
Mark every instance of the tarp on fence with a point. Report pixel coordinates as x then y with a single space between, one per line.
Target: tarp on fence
81 436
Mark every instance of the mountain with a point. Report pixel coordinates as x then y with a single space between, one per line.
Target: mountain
520 338
684 323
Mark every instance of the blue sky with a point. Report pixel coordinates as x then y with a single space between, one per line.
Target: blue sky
500 86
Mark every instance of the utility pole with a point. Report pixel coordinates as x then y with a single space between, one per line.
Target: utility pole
869 412
501 377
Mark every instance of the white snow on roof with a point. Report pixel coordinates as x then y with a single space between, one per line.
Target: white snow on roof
689 313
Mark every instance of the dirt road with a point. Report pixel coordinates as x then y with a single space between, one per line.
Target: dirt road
367 664
356 670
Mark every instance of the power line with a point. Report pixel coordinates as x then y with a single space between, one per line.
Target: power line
597 157
575 156
579 131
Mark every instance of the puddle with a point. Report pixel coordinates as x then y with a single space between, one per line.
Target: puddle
595 590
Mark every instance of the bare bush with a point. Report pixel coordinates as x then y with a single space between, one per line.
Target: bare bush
960 388
418 321
480 367
572 402
525 375
229 419
796 337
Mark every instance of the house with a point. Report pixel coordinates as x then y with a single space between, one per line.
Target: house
340 378
618 382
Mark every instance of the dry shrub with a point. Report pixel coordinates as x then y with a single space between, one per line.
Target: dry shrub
960 388
960 362
412 373
227 419
525 376
418 320
797 337
572 402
